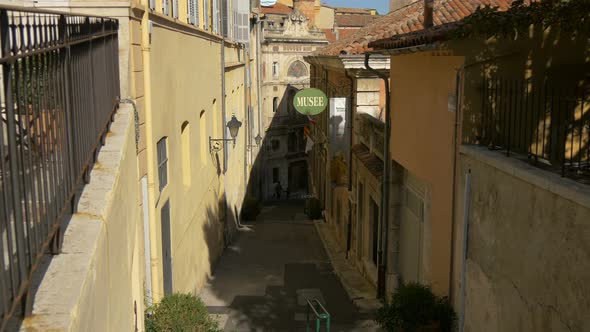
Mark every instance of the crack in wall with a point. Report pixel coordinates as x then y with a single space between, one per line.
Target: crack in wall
522 297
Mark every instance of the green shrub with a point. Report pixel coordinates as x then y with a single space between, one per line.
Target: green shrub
250 209
179 313
414 306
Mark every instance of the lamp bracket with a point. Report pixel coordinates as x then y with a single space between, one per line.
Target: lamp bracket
215 143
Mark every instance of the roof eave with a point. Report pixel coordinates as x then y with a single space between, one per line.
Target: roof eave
357 62
407 49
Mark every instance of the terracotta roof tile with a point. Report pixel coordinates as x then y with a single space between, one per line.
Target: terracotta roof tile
365 11
407 19
277 8
330 35
354 20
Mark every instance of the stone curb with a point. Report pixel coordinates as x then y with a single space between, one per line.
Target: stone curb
364 301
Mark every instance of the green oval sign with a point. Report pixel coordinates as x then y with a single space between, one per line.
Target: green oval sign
310 101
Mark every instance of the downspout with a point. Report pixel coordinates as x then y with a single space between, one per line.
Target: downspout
351 122
454 190
382 269
223 103
248 135
464 252
259 99
456 144
146 213
258 44
156 279
223 121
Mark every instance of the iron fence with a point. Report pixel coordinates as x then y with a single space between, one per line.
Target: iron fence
549 122
58 92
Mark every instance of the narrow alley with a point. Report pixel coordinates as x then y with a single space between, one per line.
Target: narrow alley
262 281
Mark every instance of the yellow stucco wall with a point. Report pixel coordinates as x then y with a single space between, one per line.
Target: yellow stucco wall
179 94
422 142
324 18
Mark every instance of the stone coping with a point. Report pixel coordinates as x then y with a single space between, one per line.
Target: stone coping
69 276
554 183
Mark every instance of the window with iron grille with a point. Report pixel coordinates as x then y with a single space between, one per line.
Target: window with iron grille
162 162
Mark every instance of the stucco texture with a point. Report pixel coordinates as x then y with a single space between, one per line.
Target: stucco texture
528 260
422 142
187 91
95 283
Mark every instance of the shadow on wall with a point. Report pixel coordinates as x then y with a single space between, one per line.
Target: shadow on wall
531 96
283 144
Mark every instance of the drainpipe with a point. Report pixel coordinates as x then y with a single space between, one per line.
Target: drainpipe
156 278
428 14
351 122
456 144
223 103
382 269
259 98
258 44
223 121
464 252
248 135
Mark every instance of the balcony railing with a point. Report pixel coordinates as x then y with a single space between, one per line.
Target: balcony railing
59 91
547 122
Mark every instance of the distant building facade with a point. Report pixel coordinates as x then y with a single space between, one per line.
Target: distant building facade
289 35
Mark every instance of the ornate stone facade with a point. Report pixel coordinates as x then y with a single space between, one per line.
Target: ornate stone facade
288 37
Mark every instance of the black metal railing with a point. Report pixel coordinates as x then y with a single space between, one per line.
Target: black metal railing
59 91
549 122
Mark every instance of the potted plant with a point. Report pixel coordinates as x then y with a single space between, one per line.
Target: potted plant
414 308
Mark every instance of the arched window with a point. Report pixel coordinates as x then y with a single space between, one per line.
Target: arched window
297 69
275 104
203 140
185 138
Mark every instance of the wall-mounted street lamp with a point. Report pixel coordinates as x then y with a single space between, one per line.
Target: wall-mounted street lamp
234 126
258 140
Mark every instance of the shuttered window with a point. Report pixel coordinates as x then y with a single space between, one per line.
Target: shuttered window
175 8
166 7
193 12
241 22
152 4
206 14
162 163
215 14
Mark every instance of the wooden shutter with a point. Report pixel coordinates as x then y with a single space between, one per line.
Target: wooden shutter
206 14
215 16
175 8
166 7
191 12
